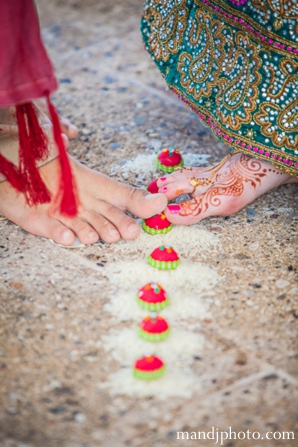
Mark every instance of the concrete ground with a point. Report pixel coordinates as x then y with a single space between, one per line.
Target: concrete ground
52 320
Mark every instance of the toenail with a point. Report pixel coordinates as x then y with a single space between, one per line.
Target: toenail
66 235
150 197
113 232
163 179
164 189
174 209
91 235
132 228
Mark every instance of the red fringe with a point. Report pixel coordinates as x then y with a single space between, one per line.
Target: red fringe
38 139
11 172
67 188
30 145
33 146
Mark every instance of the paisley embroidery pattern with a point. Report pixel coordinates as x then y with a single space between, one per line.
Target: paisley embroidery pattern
236 64
168 28
202 63
285 14
280 123
238 86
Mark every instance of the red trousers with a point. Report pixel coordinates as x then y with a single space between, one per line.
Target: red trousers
25 69
26 73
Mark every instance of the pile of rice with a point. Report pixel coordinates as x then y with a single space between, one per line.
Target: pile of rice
189 288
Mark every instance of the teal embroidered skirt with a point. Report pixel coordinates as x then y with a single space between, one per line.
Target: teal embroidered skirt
235 63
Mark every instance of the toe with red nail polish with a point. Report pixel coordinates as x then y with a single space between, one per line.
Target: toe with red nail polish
174 208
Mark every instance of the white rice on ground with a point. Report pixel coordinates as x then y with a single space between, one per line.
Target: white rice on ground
187 278
145 163
176 382
188 287
123 307
180 348
187 241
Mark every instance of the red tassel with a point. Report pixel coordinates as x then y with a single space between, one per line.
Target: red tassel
11 172
68 204
33 187
39 140
33 146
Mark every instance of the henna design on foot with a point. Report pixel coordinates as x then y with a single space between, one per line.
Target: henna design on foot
228 182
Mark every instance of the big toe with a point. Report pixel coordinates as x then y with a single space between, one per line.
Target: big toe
143 204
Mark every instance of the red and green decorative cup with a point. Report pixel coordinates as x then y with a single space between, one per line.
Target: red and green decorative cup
169 159
157 224
164 258
148 367
154 328
152 297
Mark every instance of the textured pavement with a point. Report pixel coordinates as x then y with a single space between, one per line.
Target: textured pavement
53 317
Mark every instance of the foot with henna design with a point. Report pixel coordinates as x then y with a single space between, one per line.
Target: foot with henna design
102 213
220 190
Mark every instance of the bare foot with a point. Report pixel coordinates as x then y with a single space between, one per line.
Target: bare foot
237 183
69 129
104 203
